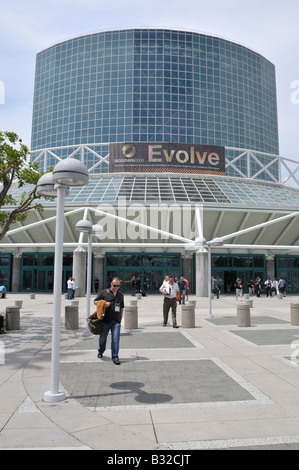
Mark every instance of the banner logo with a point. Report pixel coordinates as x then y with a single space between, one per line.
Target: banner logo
129 151
166 157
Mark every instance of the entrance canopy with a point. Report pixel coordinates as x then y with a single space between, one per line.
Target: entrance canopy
164 228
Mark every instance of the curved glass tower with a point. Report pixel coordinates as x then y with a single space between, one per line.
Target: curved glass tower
154 85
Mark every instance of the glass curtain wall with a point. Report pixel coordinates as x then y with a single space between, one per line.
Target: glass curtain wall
155 85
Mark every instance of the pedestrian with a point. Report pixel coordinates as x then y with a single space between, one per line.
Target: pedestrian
215 287
258 286
73 287
70 288
187 288
96 282
268 286
133 286
239 288
3 292
275 286
138 285
250 285
282 286
169 290
182 286
112 319
166 279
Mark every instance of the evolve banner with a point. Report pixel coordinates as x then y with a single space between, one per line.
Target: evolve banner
166 157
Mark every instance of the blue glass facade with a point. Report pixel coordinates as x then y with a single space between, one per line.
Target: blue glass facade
154 85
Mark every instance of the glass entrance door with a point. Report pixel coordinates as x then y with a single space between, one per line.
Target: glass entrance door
45 280
150 280
149 268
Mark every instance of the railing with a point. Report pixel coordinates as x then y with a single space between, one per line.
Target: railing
241 163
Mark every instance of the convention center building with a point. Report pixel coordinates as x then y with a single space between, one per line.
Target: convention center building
179 132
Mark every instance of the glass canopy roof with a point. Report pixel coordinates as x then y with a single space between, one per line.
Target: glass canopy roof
148 189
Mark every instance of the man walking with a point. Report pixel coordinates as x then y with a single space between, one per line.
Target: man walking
215 286
70 288
182 286
169 290
112 319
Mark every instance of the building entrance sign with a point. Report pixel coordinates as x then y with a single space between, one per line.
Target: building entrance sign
166 157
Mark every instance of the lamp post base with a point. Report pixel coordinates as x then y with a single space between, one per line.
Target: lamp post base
51 397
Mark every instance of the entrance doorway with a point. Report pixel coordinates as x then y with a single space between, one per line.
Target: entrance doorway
150 281
229 281
37 272
150 268
227 268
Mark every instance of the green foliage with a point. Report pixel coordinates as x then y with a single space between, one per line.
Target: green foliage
14 168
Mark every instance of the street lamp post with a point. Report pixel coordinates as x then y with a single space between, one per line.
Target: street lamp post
66 173
200 241
84 226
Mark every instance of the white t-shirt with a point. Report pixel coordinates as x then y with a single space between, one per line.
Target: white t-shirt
69 284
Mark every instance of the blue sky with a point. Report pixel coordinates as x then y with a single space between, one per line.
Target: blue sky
269 27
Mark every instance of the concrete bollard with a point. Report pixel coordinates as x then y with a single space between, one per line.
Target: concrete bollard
243 315
75 303
133 302
12 318
188 316
191 302
248 302
71 317
294 314
139 296
19 303
131 317
32 296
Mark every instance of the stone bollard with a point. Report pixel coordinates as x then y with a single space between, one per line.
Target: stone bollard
139 296
71 317
248 302
243 315
32 296
131 317
75 303
19 303
294 314
12 318
280 296
133 302
188 316
191 302
77 292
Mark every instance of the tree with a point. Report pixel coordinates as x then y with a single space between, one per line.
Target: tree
14 168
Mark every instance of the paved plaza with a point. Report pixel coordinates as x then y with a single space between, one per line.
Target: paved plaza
215 386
